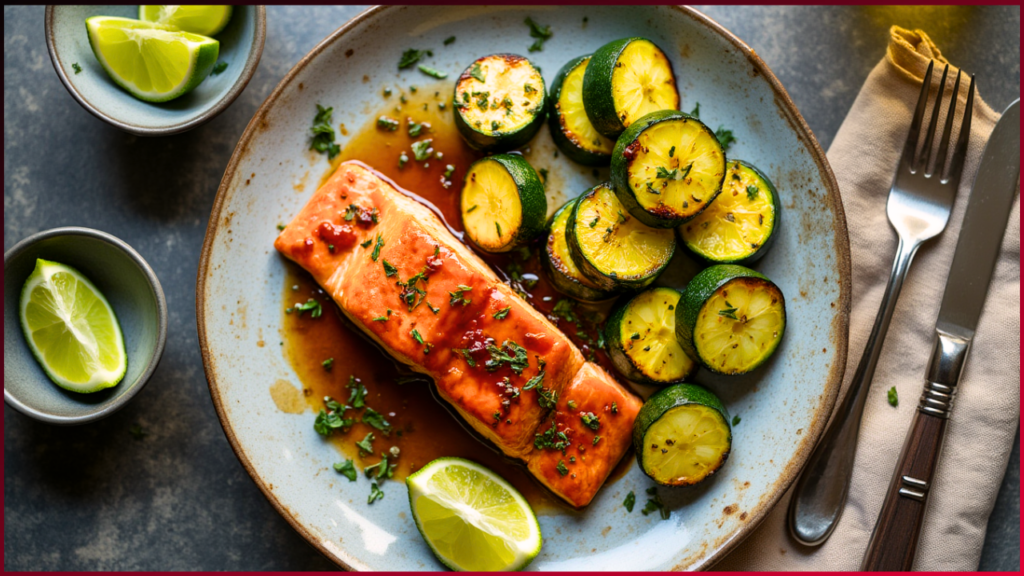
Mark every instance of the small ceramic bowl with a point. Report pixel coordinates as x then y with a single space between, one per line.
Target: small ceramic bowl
241 44
132 289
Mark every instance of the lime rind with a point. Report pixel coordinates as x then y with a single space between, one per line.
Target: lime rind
71 329
165 63
471 508
205 20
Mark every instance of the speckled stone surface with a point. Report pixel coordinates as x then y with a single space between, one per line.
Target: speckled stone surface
97 497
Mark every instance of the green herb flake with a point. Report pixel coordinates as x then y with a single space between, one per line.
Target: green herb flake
593 222
752 192
468 356
376 249
311 306
571 404
403 159
725 137
510 353
410 57
540 33
498 228
366 244
449 40
434 72
893 398
591 421
377 420
76 67
615 407
328 364
596 440
459 295
671 152
630 501
477 72
375 493
366 444
381 470
416 336
661 172
323 133
501 314
655 503
471 208
219 67
389 124
421 150
729 312
562 468
389 269
634 336
735 420
696 111
346 468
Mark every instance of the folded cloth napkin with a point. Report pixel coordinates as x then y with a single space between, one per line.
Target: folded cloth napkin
985 416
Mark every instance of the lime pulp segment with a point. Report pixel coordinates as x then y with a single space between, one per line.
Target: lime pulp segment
205 20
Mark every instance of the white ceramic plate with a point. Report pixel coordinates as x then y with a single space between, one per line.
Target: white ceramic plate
784 405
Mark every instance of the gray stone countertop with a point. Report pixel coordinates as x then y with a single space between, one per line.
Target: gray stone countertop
96 498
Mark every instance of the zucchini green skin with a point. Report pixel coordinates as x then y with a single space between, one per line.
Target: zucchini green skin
501 141
620 169
616 347
767 244
612 284
698 291
562 282
672 397
532 197
567 146
597 87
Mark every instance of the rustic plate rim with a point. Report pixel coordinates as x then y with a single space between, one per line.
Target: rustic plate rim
840 325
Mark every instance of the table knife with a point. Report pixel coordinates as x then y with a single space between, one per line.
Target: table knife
894 540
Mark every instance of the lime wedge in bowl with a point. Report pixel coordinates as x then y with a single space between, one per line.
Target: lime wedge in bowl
205 20
472 519
153 62
71 329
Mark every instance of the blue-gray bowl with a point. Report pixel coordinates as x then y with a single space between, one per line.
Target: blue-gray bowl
132 289
241 44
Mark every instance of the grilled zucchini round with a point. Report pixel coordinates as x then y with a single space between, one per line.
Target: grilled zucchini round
571 129
565 276
667 167
499 102
682 435
503 203
730 318
739 226
641 337
626 80
612 249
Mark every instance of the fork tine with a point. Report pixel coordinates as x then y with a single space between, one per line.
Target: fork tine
910 148
943 152
960 152
926 150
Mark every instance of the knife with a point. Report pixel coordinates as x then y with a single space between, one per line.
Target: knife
894 540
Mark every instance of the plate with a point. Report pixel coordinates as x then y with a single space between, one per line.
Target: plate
784 405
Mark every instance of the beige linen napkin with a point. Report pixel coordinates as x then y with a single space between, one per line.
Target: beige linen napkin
986 413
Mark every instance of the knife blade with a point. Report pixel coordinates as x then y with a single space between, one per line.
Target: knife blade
984 224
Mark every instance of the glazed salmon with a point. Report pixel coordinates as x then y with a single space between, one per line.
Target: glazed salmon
400 276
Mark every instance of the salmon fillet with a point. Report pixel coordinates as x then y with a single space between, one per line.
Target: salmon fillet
403 278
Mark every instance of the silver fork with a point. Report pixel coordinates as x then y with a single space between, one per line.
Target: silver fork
920 201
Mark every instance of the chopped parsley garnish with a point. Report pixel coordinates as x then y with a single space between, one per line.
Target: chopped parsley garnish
564 309
894 400
448 171
471 208
410 57
615 407
328 364
366 444
584 22
495 125
219 67
571 404
539 33
415 128
403 159
725 137
76 67
477 72
561 468
381 319
346 468
696 111
528 88
376 249
389 269
312 306
634 336
498 228
596 218
433 308
375 493
326 422
459 295
366 244
381 470
357 398
412 294
551 439
752 192
501 314
449 40
468 356
630 501
663 173
655 503
534 382
351 212
729 312
389 124
596 440
735 420
323 133
432 72
510 353
416 336
671 151
590 421
281 227
421 150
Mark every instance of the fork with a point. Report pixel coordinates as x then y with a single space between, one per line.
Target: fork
918 208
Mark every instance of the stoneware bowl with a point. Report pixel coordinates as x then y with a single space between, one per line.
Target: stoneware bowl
130 286
241 44
783 405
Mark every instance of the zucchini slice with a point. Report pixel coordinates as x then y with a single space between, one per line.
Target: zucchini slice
682 435
730 318
626 80
641 337
565 276
570 127
612 249
739 226
503 203
667 167
499 102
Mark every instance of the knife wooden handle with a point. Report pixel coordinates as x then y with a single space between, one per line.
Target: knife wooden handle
894 541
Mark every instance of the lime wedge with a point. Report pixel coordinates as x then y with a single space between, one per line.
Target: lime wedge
153 62
205 20
71 329
471 518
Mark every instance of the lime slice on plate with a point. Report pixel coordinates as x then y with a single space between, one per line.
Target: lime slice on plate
71 329
153 62
205 20
471 518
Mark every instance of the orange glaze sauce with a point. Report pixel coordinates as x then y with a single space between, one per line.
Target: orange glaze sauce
425 427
